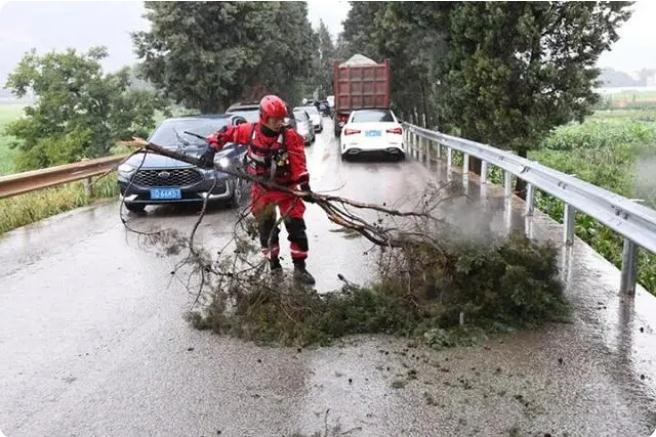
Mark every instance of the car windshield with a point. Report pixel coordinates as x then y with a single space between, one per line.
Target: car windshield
251 115
372 116
170 133
300 115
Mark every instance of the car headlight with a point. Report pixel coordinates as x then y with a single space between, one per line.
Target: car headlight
126 168
224 162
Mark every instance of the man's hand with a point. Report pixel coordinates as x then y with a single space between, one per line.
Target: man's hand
207 158
213 139
305 186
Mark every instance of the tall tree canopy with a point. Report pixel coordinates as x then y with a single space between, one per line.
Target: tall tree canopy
516 70
499 72
79 111
207 55
323 64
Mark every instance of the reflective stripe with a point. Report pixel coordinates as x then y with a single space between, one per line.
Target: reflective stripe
269 253
255 157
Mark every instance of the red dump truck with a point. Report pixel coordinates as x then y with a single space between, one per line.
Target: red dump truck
359 83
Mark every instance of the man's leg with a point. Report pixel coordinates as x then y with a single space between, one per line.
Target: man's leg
265 213
292 210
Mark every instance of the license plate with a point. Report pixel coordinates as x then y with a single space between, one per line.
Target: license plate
372 133
165 193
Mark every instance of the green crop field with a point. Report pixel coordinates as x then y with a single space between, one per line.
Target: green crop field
8 112
616 150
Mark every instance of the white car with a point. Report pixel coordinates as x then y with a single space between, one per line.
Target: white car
304 126
315 116
372 130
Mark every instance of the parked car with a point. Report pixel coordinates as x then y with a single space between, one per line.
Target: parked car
372 130
304 126
315 116
156 179
249 110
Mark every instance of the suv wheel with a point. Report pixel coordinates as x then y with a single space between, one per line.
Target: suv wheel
135 207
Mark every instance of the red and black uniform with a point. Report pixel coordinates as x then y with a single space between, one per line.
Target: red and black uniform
280 157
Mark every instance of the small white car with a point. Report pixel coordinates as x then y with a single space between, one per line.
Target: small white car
372 130
315 116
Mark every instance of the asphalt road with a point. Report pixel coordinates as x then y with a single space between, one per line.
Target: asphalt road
93 340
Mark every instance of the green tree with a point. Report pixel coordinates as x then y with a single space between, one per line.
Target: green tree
325 56
206 55
79 111
514 71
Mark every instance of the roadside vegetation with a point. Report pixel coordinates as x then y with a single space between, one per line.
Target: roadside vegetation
28 208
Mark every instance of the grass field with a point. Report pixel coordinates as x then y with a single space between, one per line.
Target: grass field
628 99
8 112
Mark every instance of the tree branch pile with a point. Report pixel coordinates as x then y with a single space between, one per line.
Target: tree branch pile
432 281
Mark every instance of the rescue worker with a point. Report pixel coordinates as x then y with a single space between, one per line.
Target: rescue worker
275 152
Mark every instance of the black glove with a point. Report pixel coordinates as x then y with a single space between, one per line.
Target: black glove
305 186
207 158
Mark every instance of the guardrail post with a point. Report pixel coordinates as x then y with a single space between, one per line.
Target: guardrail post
429 147
449 158
465 163
530 199
484 172
629 267
569 221
413 141
507 183
422 149
438 150
88 187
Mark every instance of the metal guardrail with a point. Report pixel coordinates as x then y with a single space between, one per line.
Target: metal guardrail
636 223
20 183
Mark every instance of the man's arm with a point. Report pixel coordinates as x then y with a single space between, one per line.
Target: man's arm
296 151
239 134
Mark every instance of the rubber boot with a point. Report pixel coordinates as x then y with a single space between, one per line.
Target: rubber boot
301 275
275 268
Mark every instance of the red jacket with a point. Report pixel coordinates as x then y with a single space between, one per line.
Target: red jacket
266 155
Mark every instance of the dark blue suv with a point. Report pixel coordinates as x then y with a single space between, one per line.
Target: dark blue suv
157 179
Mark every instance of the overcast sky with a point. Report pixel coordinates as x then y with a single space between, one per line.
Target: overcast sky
57 25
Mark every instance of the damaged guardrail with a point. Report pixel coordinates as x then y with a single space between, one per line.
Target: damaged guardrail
636 223
20 183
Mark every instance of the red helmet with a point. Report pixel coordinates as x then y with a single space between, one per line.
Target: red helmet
272 106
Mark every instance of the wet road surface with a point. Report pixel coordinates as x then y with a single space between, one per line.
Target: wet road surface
93 342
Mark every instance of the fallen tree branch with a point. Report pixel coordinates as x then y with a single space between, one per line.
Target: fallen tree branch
335 207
